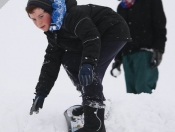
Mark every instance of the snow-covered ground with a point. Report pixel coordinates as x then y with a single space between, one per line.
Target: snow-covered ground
22 47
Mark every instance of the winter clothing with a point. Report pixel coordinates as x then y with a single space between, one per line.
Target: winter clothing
139 75
44 4
156 58
37 103
146 20
85 75
89 38
79 42
92 94
58 14
93 120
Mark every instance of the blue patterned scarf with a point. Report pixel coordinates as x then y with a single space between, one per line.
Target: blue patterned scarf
127 3
59 11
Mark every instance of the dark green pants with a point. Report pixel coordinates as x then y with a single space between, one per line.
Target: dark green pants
139 75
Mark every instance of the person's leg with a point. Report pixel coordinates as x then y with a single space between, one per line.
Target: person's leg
146 76
128 66
93 120
71 63
92 94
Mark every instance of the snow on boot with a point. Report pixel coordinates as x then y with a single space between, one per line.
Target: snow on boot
93 120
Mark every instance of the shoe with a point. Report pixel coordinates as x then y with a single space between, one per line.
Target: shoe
93 120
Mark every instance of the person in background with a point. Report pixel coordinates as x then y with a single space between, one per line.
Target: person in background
142 56
84 39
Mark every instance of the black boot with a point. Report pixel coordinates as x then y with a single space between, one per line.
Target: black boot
77 111
93 120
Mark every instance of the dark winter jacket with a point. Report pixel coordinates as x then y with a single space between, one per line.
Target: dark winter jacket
146 20
83 29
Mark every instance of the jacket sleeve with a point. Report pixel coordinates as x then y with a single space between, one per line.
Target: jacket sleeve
159 25
118 57
50 69
81 25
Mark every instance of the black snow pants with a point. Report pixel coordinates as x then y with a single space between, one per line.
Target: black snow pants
92 94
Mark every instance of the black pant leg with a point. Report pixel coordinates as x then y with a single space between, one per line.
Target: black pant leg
92 94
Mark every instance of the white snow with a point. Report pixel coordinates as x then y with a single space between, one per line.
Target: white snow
22 49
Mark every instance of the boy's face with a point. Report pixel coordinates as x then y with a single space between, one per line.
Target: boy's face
41 19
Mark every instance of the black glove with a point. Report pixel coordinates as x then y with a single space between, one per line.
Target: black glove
116 65
37 103
86 74
156 58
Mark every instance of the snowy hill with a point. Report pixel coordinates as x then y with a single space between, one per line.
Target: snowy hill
22 49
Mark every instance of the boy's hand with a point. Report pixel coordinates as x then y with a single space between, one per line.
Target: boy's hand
85 74
116 65
37 103
156 58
